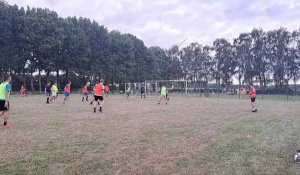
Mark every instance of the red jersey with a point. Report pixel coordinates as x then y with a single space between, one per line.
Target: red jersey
98 90
85 89
252 92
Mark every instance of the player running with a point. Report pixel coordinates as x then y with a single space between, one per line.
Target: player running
54 91
143 92
85 92
163 94
48 92
67 92
98 95
23 91
106 90
128 91
5 89
252 95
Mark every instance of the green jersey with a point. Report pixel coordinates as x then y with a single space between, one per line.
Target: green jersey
128 90
163 90
54 89
4 88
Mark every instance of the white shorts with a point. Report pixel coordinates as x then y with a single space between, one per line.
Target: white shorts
54 94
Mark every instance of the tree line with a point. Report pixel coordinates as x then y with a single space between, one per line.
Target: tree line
36 45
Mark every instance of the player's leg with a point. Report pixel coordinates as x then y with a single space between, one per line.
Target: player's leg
48 97
82 97
92 101
101 103
4 107
159 100
5 117
253 104
95 101
66 97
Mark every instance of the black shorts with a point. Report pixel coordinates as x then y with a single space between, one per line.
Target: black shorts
97 98
2 106
253 99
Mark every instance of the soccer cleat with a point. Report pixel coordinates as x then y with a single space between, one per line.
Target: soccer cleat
91 103
94 110
159 103
100 110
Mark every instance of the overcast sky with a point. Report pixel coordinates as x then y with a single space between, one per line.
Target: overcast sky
168 22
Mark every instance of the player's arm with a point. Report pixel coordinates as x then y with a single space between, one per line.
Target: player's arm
7 94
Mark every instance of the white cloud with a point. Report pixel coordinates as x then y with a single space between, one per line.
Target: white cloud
168 22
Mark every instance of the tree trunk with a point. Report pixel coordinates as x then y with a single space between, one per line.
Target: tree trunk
40 82
67 75
57 78
48 76
31 82
24 78
11 74
295 86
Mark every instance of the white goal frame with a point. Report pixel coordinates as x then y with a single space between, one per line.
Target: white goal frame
156 82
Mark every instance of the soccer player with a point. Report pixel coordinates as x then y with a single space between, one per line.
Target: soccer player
252 95
128 91
48 92
85 92
167 94
54 91
143 92
98 95
5 89
106 90
163 94
67 91
23 91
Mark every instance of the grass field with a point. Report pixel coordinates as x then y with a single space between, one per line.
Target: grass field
187 136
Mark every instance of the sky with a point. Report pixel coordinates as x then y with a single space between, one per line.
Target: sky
168 22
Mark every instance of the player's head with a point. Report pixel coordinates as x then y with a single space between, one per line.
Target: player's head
101 81
7 78
84 84
69 82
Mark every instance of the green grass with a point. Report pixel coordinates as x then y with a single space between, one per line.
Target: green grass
190 135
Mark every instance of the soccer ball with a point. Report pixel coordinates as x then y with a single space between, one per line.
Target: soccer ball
297 157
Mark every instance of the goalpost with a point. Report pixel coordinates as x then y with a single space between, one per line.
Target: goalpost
152 87
135 87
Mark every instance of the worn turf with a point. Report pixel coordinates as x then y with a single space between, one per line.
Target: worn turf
188 136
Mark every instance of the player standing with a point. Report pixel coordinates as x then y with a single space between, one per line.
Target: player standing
54 91
85 92
252 95
5 89
106 90
67 91
143 92
48 92
128 91
163 94
23 91
98 95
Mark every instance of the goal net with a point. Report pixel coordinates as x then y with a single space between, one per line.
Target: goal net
174 87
